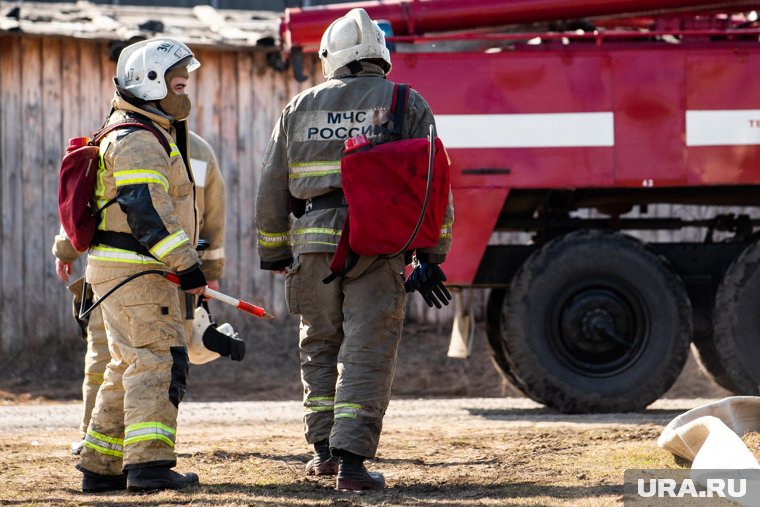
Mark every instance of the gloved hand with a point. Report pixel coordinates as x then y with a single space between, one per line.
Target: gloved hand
427 278
192 278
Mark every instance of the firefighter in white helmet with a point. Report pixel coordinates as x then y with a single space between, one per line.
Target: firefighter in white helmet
350 328
210 202
129 442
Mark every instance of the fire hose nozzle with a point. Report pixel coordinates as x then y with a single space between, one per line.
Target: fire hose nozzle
224 298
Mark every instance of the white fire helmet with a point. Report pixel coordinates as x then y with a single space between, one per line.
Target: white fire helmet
142 66
196 350
353 37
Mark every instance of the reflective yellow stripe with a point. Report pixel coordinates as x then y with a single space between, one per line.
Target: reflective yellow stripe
322 168
110 254
104 450
175 150
110 446
135 176
273 239
111 440
100 188
318 230
142 432
168 244
330 243
446 230
301 240
347 410
319 404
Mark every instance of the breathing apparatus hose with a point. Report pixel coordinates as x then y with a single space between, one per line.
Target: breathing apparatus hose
428 185
173 278
84 313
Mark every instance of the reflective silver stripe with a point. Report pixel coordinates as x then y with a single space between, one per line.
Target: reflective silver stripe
109 254
212 255
169 243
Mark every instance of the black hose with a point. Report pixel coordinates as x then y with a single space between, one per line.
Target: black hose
84 313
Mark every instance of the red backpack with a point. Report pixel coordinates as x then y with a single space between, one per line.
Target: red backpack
77 178
388 192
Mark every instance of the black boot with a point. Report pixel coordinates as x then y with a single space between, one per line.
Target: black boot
323 462
353 476
97 483
158 478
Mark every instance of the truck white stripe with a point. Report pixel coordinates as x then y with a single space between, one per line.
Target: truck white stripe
723 128
548 130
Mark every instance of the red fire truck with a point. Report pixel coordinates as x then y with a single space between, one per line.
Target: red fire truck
618 139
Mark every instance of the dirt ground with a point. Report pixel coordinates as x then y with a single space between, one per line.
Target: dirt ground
455 434
458 452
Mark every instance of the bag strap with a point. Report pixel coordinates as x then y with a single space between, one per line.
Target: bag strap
398 106
131 123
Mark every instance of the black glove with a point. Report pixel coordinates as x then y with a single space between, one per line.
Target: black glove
427 278
227 346
192 278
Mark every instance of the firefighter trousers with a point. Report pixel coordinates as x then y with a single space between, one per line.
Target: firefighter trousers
134 420
348 339
97 357
95 361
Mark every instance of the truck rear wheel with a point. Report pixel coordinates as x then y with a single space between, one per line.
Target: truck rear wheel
737 321
709 361
596 323
495 324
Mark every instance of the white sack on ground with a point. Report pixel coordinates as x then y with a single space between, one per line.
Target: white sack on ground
715 429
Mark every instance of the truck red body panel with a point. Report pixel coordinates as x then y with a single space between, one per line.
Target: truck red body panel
609 116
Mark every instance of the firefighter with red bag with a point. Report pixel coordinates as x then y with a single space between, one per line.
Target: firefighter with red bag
350 327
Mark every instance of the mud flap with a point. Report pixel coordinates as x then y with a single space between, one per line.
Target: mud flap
463 330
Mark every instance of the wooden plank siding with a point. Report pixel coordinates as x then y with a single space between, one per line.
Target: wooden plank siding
55 88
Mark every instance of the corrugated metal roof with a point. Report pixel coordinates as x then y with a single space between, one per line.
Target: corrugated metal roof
200 26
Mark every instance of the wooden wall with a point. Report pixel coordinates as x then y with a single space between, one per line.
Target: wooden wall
54 88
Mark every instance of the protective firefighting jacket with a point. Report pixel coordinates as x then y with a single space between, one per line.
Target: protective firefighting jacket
302 161
154 192
211 204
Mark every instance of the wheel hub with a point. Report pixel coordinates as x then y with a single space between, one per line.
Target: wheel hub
598 330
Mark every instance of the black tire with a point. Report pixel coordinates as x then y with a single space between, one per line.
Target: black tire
706 354
703 341
495 331
736 320
597 323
